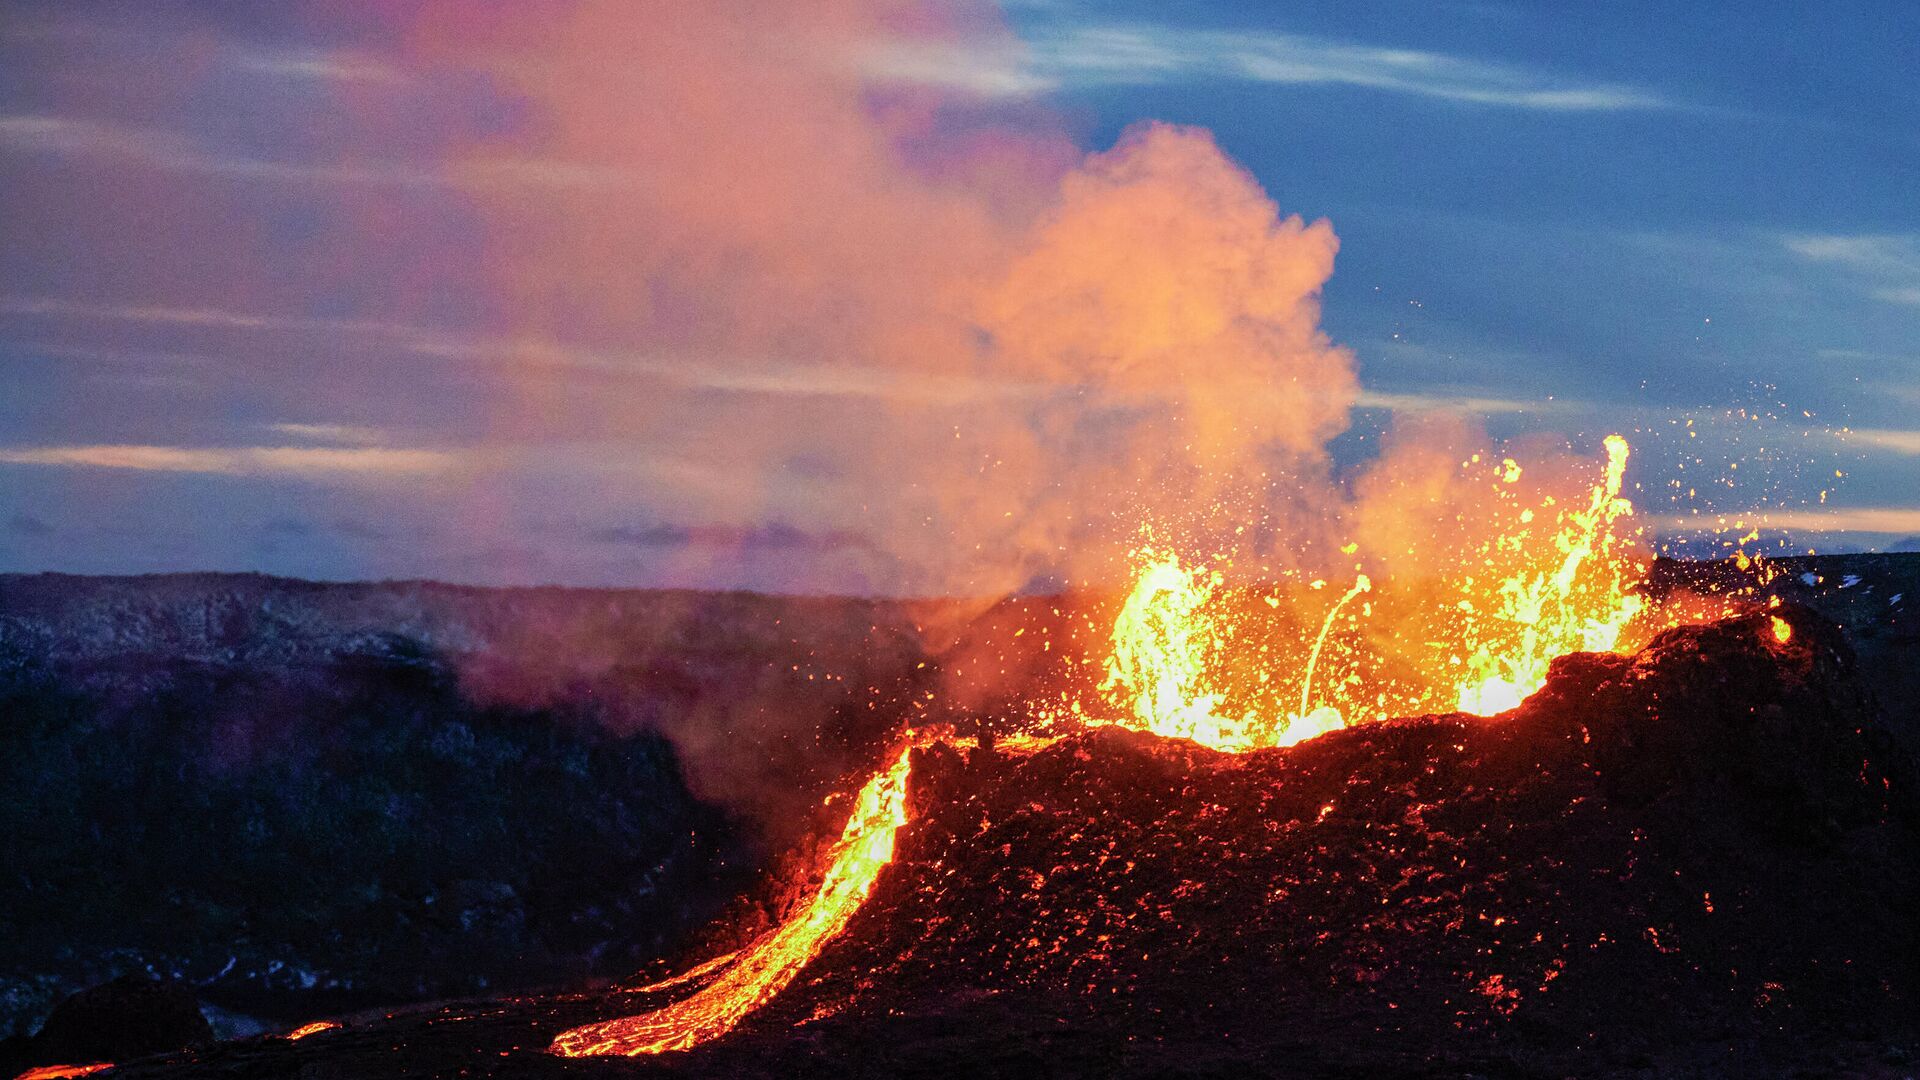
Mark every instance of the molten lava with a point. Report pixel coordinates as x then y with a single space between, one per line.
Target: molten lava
692 974
1581 605
764 968
314 1028
1544 582
1160 651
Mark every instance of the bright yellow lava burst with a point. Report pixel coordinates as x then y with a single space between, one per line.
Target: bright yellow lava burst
1160 651
1549 582
1160 670
1580 605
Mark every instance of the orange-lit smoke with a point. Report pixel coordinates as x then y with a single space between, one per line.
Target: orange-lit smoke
812 293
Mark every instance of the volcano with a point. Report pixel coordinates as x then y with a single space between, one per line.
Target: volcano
1699 859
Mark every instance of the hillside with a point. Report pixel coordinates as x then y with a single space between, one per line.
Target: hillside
306 798
1700 860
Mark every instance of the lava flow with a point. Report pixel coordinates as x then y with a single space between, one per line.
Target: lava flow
764 968
1177 668
64 1072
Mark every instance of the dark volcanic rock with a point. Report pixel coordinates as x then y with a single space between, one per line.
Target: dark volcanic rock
304 798
127 1018
1697 861
1875 598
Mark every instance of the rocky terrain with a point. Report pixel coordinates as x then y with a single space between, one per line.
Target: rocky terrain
309 799
1701 860
300 798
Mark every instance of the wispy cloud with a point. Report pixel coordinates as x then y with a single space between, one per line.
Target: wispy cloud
173 151
526 353
1886 265
331 434
770 378
206 317
990 70
75 30
1902 442
1880 253
328 65
774 535
1865 519
1138 54
301 461
109 357
1442 401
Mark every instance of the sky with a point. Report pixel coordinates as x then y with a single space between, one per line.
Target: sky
891 296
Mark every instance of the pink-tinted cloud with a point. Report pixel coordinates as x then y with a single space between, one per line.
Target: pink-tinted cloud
302 461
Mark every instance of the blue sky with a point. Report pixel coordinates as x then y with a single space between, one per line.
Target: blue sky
1634 209
1697 226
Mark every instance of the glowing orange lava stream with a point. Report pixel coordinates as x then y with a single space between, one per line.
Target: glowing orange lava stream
62 1072
764 968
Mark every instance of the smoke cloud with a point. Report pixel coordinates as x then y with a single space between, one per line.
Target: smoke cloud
882 308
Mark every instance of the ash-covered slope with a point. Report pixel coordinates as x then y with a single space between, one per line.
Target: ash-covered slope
1701 860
